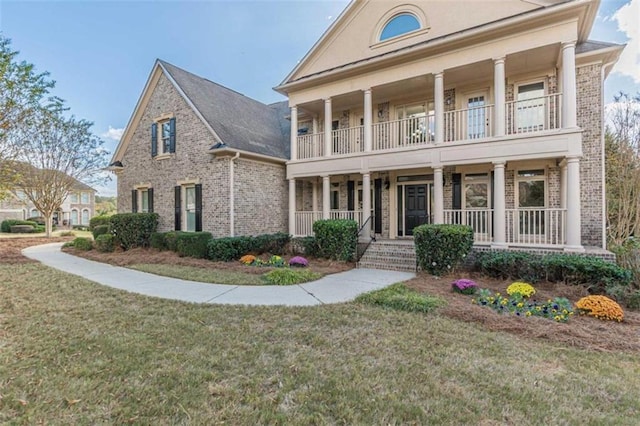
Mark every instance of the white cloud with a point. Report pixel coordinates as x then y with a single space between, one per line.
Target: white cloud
628 19
113 134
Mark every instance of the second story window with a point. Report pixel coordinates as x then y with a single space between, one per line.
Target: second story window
163 137
530 107
84 198
74 198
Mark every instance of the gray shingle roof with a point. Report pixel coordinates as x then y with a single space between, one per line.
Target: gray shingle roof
591 45
241 122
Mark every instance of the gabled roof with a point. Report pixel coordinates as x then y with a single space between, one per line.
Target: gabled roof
235 121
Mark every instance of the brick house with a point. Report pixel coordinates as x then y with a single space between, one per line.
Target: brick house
205 158
483 113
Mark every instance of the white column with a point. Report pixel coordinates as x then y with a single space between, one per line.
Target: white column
314 195
438 195
438 96
500 97
292 207
368 121
366 198
328 117
569 98
499 210
573 227
563 185
326 195
294 132
314 124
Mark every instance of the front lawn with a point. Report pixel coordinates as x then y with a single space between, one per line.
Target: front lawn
74 352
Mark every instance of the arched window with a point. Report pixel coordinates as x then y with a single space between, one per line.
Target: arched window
85 217
34 213
398 25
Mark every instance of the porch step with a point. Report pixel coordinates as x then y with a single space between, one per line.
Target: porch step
390 255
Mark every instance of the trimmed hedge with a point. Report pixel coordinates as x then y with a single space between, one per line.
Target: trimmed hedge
22 229
6 225
232 248
104 243
99 230
82 243
133 229
336 238
440 248
157 241
98 221
193 244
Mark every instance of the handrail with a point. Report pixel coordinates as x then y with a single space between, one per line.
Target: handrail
371 239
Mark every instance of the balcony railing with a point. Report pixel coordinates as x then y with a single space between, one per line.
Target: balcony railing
523 116
481 220
536 227
305 219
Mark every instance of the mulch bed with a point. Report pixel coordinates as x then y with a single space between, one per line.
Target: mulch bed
10 248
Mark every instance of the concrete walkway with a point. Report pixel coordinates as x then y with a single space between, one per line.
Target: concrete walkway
336 288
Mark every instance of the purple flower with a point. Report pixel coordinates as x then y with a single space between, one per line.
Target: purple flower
464 286
298 261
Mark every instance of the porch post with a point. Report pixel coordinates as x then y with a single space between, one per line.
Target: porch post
438 195
328 117
439 107
314 195
368 120
366 198
294 132
569 98
292 207
314 124
500 97
326 195
573 227
563 184
499 210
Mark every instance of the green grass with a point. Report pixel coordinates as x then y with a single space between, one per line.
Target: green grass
74 352
289 276
192 273
399 297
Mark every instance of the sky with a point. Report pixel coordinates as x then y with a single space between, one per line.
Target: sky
100 53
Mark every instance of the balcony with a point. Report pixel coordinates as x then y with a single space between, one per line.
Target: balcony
527 116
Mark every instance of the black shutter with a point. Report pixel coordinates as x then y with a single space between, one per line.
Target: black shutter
456 186
172 135
350 196
154 139
134 201
150 201
199 207
377 208
178 208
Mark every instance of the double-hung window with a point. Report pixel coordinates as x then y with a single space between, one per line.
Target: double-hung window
163 136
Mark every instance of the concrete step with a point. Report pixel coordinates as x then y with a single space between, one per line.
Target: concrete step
390 255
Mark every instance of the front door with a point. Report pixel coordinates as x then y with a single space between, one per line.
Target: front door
414 202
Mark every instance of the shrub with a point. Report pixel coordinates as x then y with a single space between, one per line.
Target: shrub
157 241
336 238
600 307
22 229
98 221
464 286
515 265
558 309
133 229
100 230
523 289
193 244
286 276
171 240
227 249
440 248
270 243
80 227
247 259
6 225
104 243
39 220
82 243
41 228
400 297
298 262
276 261
67 234
305 245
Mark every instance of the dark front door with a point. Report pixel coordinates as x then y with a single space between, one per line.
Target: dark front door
415 207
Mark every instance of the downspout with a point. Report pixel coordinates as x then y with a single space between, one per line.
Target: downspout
602 150
231 196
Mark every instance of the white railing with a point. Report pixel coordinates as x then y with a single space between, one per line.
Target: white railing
469 123
405 132
534 115
347 141
304 222
347 214
311 146
539 227
481 220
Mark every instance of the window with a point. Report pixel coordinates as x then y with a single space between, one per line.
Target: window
142 200
20 195
398 25
74 217
417 123
531 107
188 207
163 137
35 213
476 191
531 201
84 198
335 196
85 217
74 198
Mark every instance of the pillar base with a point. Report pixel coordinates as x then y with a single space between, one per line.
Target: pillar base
574 249
499 246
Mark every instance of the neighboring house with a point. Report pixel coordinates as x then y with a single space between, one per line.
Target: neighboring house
205 158
77 209
486 113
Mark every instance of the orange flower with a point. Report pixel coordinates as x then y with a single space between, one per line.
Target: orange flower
248 259
600 307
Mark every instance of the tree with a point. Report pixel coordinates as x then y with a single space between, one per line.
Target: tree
106 206
622 163
22 92
56 152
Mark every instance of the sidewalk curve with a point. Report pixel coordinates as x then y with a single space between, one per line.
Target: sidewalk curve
335 288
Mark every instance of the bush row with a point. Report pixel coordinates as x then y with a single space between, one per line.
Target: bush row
6 225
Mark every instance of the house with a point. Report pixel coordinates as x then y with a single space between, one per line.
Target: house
204 157
77 209
485 113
